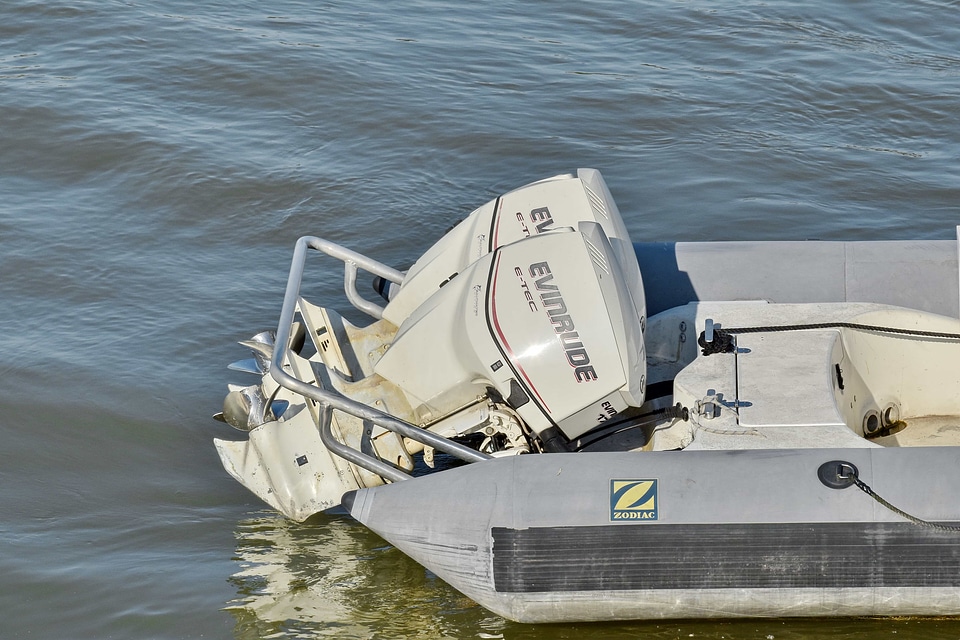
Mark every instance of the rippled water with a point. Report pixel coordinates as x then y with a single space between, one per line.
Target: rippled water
158 160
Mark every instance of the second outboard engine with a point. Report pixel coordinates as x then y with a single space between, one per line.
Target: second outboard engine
526 212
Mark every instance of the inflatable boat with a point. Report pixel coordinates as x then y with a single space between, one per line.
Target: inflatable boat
565 425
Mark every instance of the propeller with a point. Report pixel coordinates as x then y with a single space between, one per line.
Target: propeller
247 408
262 346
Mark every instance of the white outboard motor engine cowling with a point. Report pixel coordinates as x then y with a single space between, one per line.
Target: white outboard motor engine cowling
536 208
550 323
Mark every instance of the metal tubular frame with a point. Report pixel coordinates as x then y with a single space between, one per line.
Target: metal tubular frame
349 454
330 400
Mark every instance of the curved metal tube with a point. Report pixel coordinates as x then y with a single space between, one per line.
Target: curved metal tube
352 260
330 398
349 454
358 301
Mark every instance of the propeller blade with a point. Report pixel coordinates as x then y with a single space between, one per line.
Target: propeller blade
247 408
250 365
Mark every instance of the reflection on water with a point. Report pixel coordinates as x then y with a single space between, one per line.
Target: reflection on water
331 577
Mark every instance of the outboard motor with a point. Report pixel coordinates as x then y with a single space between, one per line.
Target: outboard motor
539 207
550 324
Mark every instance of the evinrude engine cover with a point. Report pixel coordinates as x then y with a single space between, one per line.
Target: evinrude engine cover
549 322
539 207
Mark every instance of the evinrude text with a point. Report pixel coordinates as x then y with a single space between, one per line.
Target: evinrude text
556 308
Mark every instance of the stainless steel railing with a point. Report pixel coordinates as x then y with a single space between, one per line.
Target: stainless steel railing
331 400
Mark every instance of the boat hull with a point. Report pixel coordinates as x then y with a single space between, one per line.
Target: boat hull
656 535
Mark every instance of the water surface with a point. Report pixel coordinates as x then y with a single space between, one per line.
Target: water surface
159 159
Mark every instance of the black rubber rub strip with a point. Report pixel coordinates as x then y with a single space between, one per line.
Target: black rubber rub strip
720 556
